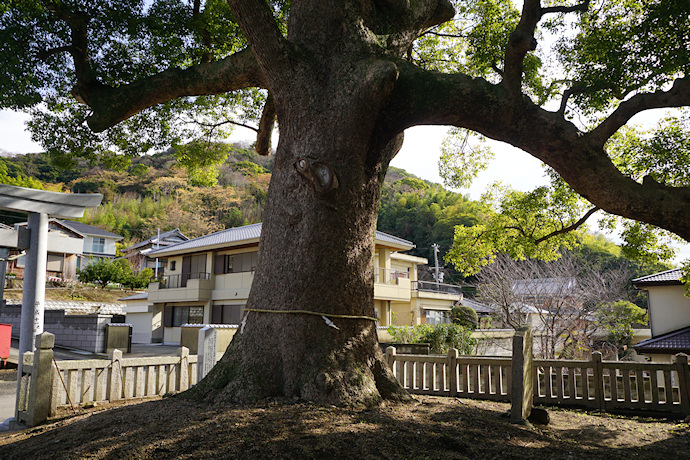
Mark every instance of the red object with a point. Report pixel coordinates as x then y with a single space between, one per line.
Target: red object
5 341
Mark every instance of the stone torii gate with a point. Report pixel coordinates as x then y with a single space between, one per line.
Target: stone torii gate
40 205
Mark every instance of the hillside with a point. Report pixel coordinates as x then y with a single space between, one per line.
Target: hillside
228 188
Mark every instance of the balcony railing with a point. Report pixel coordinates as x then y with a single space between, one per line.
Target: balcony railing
432 286
178 281
388 276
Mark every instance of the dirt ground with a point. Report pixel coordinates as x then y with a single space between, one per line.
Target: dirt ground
432 427
78 292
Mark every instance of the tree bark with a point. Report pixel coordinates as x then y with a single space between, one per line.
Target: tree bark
316 252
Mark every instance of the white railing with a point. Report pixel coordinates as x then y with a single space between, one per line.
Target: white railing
595 384
100 380
614 385
48 385
452 375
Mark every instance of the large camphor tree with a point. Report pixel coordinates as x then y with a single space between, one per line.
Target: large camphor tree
344 79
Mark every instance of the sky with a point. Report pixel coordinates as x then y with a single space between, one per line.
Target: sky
419 156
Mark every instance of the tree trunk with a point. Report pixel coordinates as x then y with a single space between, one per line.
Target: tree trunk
316 256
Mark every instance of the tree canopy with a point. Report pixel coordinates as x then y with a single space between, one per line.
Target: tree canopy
344 79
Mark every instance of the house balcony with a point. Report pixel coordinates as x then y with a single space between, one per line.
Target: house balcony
391 285
433 290
188 287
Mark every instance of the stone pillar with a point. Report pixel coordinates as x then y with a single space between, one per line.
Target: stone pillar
4 254
522 387
116 382
183 375
33 297
681 361
42 383
206 351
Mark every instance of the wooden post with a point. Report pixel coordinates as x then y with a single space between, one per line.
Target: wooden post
683 382
453 371
522 390
598 369
41 380
183 379
116 376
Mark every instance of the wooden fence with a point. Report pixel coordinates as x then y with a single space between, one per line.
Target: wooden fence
48 385
614 385
640 387
453 375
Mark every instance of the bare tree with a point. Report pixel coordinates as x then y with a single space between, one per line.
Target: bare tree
557 299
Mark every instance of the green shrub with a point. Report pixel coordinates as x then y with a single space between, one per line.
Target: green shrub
464 316
248 168
440 337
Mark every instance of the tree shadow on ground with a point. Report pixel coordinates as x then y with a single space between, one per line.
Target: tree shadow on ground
176 428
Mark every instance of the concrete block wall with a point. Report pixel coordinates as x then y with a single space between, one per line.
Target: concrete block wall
83 332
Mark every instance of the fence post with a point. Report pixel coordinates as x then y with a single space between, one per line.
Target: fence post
522 388
598 370
206 351
453 371
116 376
681 360
390 358
38 404
183 353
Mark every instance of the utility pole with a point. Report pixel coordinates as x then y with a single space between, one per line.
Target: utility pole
436 267
158 239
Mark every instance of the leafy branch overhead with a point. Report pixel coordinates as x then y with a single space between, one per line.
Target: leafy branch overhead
537 224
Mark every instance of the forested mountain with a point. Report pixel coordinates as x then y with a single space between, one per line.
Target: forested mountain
161 191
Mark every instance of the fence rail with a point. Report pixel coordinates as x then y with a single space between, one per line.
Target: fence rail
48 385
452 375
594 384
612 385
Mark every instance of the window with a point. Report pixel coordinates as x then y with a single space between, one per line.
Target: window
175 316
98 245
173 265
227 314
434 317
236 263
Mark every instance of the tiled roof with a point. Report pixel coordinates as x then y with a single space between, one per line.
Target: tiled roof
667 277
137 296
73 307
161 239
247 232
671 342
85 229
477 306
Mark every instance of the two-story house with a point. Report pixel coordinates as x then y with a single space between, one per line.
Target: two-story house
669 315
208 279
137 254
71 246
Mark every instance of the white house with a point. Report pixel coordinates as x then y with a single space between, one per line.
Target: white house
208 279
669 315
71 245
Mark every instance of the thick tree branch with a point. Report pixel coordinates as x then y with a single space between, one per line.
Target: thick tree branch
566 9
266 124
45 54
425 97
271 50
677 96
569 228
79 49
521 41
112 105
